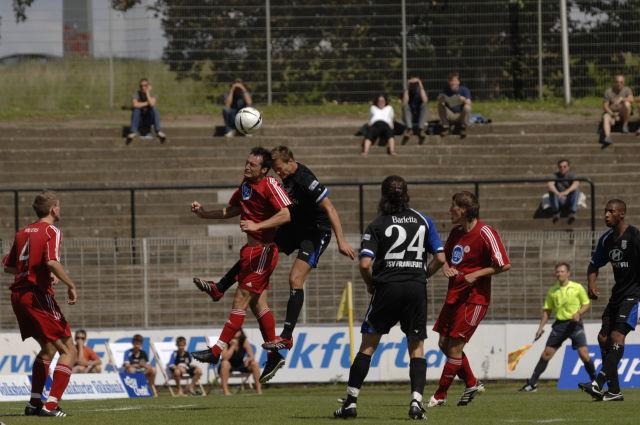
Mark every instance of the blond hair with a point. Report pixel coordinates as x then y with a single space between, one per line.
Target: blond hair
44 202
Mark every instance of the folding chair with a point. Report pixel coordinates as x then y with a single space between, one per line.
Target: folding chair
241 378
163 352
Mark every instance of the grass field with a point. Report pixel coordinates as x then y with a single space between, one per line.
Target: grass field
500 404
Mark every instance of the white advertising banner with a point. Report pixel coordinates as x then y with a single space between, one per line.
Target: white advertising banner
321 354
81 387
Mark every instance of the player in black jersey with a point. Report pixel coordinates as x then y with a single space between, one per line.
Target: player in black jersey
393 265
312 218
619 246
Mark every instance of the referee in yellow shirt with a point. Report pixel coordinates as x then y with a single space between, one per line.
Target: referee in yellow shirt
569 301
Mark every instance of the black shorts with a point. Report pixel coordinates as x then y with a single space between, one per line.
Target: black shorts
236 367
190 370
379 130
622 316
398 302
567 329
309 243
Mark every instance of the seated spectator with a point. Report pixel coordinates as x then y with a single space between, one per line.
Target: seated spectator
238 356
180 366
87 360
454 106
145 114
564 194
380 126
136 360
414 110
237 98
617 108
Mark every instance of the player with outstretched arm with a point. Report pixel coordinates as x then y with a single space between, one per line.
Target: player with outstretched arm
393 265
474 253
262 205
34 259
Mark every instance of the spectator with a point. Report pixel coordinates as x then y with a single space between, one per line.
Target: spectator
454 106
617 108
238 357
180 366
380 125
565 193
237 98
87 360
414 110
144 112
137 361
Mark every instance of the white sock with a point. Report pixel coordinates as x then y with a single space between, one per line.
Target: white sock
416 396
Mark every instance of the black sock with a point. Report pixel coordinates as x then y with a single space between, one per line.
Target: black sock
601 377
229 279
610 367
591 369
357 373
540 368
294 306
418 374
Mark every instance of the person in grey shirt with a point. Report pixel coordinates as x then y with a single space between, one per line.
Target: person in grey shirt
564 193
617 108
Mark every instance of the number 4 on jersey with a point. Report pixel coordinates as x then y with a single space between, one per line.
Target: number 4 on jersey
416 245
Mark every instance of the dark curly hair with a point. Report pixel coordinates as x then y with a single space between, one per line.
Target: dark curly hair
394 195
265 154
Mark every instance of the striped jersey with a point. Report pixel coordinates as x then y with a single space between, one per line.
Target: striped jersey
33 247
259 202
468 252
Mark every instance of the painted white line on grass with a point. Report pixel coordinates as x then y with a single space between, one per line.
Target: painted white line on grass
544 421
116 409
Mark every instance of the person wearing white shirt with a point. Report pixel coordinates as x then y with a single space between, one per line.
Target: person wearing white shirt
380 125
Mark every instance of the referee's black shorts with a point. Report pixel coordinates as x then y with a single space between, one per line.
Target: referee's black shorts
398 302
567 329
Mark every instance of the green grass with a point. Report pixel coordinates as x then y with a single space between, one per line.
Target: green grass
80 89
500 404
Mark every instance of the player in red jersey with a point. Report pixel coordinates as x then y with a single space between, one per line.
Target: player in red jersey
474 253
262 205
34 259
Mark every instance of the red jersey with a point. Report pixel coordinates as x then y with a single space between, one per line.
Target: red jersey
33 246
468 252
259 202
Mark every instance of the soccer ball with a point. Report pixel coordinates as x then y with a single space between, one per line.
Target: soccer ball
248 120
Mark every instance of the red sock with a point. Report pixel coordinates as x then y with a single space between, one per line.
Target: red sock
451 368
39 373
466 374
61 375
236 319
267 325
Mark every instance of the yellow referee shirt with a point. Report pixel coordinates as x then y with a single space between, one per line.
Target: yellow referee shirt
566 300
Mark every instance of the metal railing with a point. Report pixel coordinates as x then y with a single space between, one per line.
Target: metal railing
477 183
147 282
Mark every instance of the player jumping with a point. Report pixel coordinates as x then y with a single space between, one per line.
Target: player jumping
312 218
34 259
262 205
474 253
393 265
621 247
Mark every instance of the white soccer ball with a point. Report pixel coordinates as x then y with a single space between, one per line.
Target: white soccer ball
248 120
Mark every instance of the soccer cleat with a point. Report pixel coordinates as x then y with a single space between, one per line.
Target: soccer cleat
416 411
206 356
470 393
434 402
274 362
56 413
31 410
161 136
609 396
346 412
278 344
529 388
209 287
592 389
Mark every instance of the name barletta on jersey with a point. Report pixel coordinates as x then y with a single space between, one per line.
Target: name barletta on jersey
403 220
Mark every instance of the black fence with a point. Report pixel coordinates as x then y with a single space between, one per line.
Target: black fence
360 185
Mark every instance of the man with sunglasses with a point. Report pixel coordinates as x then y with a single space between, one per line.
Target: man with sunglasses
87 361
144 114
